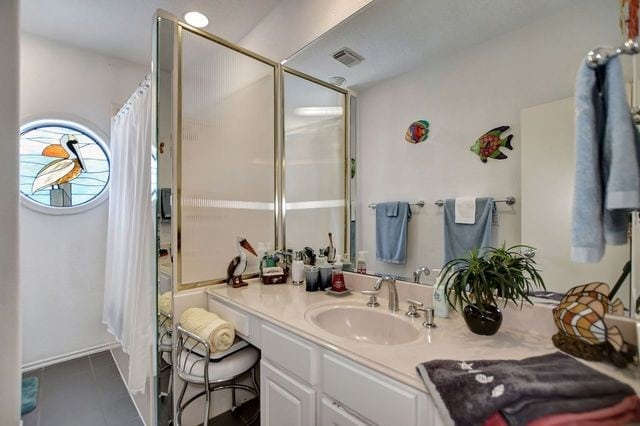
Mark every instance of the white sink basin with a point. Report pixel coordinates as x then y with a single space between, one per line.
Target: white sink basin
363 324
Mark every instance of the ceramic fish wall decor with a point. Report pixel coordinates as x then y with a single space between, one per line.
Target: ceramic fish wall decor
489 144
417 132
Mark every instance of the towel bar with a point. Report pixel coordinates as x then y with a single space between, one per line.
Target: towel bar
414 203
509 200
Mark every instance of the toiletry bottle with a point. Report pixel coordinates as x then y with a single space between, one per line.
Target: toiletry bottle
297 269
361 265
337 278
440 302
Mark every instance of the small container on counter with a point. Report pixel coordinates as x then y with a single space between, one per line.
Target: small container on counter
361 263
440 302
326 272
297 269
312 277
337 278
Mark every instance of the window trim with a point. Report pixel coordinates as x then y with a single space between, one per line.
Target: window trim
83 127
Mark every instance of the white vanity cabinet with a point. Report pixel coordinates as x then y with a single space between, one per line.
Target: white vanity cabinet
284 400
304 384
334 414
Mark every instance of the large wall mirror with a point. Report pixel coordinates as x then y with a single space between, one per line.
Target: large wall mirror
226 164
315 165
467 68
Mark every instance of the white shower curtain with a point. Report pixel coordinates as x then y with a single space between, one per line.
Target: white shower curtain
130 270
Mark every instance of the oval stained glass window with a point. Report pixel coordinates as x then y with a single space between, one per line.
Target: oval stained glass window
63 165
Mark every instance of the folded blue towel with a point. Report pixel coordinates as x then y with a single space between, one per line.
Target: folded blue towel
607 179
391 231
461 238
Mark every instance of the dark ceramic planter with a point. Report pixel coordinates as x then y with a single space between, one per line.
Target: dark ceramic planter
487 323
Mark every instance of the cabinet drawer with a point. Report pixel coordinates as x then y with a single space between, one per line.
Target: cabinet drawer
241 321
334 415
368 393
290 352
284 401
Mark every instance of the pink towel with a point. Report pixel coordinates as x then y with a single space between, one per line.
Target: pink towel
622 413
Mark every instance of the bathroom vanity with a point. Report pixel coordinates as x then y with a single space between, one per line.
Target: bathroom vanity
313 371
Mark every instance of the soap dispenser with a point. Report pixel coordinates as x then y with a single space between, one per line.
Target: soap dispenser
297 269
440 302
337 278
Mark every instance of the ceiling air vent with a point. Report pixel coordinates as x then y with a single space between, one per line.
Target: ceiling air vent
347 57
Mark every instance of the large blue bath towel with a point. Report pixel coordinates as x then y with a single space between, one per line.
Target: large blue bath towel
461 238
392 220
607 180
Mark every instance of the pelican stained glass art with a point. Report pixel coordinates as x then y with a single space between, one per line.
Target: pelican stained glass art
61 164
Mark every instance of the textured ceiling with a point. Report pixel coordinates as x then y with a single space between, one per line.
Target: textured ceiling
122 28
396 35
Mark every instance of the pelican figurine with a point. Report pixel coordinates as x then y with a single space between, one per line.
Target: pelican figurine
238 264
66 168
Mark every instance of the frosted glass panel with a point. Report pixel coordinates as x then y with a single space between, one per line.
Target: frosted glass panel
227 157
315 153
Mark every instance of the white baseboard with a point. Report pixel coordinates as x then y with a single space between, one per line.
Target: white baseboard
66 357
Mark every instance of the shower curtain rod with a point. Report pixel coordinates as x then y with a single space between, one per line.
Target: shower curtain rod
145 84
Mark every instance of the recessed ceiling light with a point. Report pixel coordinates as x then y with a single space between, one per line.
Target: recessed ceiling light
337 81
196 19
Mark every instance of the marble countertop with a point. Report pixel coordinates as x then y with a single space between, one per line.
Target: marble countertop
285 305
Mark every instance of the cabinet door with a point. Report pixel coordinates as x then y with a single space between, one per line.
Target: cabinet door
334 415
284 401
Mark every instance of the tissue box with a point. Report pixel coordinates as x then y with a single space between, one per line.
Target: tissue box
274 275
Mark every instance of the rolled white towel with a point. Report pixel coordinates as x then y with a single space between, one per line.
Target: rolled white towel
165 302
219 333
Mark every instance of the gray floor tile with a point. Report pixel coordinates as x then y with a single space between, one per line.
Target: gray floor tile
120 412
107 372
111 389
33 373
134 422
84 392
76 394
101 359
67 368
74 418
31 418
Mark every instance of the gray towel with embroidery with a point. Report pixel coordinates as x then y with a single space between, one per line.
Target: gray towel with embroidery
469 392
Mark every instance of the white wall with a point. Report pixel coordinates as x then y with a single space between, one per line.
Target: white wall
463 96
62 257
295 23
10 300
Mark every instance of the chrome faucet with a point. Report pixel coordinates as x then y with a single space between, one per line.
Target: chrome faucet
418 273
393 291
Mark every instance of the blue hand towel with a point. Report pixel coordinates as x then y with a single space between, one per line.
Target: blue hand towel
391 231
607 179
461 238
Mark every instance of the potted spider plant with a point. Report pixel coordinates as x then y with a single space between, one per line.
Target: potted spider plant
476 283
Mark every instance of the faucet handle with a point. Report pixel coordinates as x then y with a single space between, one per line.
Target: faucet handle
373 297
413 308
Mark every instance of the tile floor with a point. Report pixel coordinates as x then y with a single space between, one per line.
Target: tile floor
87 391
245 415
